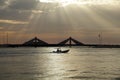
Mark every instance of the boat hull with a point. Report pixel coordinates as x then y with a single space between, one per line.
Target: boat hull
65 51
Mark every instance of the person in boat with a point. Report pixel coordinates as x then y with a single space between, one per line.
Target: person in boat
58 50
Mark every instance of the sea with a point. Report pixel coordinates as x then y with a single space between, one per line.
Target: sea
80 63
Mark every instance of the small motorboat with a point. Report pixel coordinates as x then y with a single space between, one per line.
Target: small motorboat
61 51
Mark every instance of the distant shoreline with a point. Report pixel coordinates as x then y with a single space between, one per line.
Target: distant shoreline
56 45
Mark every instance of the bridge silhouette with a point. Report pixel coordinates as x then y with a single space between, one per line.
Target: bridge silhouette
36 42
70 42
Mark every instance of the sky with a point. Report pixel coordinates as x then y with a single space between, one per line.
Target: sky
56 20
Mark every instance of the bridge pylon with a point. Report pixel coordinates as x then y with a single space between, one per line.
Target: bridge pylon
70 41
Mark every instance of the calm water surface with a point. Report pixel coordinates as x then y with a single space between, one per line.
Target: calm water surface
78 64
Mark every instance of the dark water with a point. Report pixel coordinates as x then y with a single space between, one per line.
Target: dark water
78 64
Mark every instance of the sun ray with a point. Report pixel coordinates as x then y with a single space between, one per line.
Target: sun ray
83 2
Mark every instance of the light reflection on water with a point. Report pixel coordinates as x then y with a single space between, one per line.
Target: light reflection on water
78 64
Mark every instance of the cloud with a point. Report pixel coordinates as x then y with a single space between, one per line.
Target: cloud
14 15
2 2
24 4
21 10
1 28
12 22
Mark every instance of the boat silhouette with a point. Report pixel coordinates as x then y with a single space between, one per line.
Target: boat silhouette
61 51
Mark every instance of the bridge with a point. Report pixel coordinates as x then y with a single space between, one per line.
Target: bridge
67 42
35 42
70 42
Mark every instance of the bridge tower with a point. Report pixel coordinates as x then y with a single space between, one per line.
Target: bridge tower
35 42
70 42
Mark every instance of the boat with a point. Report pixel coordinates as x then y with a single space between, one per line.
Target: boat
61 51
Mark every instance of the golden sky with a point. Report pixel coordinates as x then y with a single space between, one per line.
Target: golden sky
56 20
